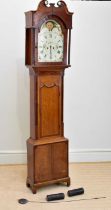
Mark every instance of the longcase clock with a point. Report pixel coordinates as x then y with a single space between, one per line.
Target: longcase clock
48 38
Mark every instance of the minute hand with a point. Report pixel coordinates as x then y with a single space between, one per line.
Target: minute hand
50 52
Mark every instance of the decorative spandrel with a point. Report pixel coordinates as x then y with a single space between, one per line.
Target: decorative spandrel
50 42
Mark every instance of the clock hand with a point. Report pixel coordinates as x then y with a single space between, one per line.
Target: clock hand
50 52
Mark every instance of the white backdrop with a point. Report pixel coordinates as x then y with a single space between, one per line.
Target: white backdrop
87 83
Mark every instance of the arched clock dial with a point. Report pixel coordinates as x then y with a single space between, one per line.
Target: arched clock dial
50 42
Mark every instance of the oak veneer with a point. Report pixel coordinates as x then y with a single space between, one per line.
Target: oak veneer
47 148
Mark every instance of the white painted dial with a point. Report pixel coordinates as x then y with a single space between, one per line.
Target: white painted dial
50 42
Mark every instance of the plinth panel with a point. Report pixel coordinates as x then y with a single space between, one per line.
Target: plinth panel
50 160
60 160
42 163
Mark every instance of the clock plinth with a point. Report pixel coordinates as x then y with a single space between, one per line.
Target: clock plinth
48 163
46 58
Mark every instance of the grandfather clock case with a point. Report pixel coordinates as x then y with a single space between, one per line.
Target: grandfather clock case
48 38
